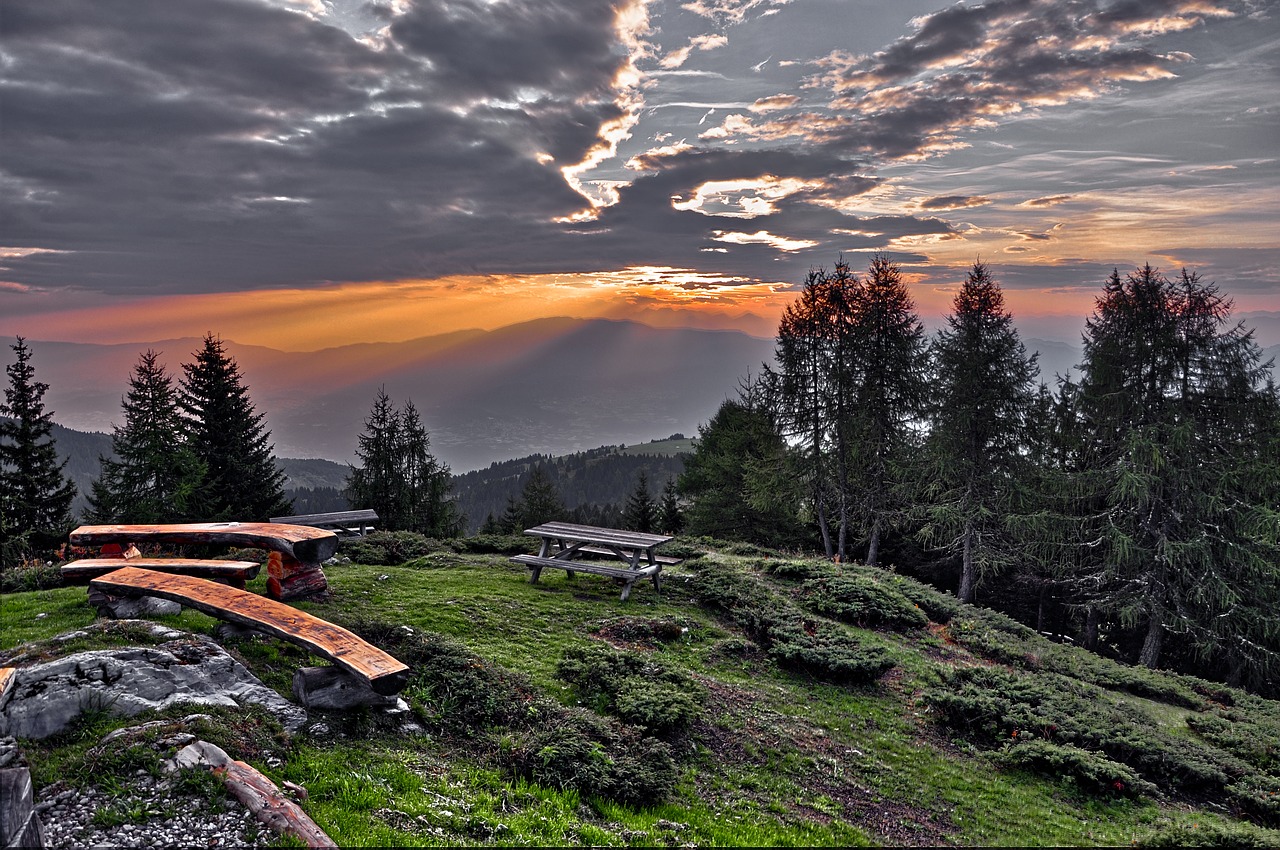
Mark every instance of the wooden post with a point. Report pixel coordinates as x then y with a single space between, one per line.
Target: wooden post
289 578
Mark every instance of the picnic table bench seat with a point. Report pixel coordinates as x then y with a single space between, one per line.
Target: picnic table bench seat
385 674
563 543
234 573
355 523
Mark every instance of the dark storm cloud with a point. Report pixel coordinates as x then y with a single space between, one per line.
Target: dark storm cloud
228 144
953 202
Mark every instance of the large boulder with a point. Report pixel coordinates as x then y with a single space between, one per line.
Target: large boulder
47 697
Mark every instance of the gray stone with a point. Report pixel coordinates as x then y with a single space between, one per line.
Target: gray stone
47 697
334 689
132 607
19 824
197 754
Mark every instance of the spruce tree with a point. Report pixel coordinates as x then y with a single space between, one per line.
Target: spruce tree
641 513
670 517
540 499
35 495
152 476
1172 408
228 436
886 400
975 468
377 482
428 508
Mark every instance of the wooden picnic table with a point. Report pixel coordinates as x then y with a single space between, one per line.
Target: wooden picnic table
564 544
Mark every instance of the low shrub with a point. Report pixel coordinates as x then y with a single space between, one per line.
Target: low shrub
387 548
862 601
1093 771
1209 834
818 650
28 574
637 689
798 569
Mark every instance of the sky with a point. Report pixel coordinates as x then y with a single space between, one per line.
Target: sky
307 173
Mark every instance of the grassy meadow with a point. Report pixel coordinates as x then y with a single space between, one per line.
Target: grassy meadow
761 699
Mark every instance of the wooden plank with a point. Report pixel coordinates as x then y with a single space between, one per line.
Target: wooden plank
385 674
588 567
665 560
365 517
306 544
592 534
79 572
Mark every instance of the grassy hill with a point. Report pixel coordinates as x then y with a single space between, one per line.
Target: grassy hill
762 699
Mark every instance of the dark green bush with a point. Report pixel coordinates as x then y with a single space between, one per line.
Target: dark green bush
387 548
1093 771
826 653
798 569
637 689
582 751
862 601
28 575
490 544
1210 834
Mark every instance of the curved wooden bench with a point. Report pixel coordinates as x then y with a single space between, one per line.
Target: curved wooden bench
385 674
234 573
297 550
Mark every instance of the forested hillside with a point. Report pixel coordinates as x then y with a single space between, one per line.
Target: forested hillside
601 478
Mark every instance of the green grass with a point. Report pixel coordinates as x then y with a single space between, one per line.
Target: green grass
776 758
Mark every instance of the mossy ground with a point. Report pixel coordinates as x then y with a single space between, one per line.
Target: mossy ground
774 758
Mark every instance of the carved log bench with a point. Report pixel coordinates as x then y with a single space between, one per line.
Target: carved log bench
296 551
234 573
383 673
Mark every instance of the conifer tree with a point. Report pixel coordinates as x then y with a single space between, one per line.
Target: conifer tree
540 499
512 521
1172 408
670 517
887 397
428 508
976 464
35 496
153 476
375 483
228 436
641 512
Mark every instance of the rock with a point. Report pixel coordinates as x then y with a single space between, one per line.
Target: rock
233 631
131 607
198 754
334 689
47 697
19 824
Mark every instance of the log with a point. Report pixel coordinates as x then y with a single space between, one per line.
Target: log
79 572
298 585
306 544
280 814
385 674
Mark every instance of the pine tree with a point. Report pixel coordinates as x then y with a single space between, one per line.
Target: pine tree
512 521
428 508
670 517
227 435
1172 408
153 476
887 397
540 499
976 465
641 513
377 482
35 496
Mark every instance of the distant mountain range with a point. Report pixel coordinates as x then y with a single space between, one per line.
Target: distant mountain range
552 386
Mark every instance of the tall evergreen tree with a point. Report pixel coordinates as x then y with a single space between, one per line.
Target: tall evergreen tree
670 516
1172 406
641 513
984 399
153 476
428 508
887 399
727 500
228 436
375 483
540 499
35 495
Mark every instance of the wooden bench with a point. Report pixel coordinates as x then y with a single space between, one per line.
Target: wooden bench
626 574
234 573
353 523
385 674
296 550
